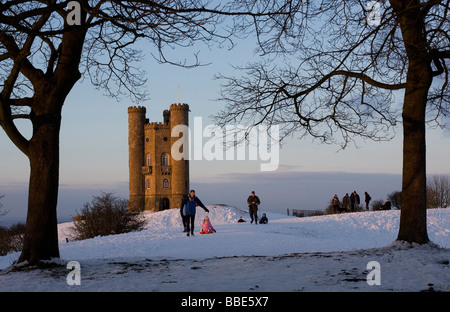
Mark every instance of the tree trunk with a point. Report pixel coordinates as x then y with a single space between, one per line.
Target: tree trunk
41 233
413 217
41 236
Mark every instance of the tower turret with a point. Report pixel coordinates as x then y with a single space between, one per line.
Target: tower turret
179 115
166 115
136 158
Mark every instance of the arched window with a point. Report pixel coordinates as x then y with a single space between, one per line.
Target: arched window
166 183
149 160
147 183
164 159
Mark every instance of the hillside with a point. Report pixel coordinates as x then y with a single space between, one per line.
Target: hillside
324 253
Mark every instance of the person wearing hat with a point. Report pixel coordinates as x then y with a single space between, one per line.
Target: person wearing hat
253 202
189 204
263 219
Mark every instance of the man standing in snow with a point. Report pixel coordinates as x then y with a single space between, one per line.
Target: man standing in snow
357 201
367 200
352 202
336 204
345 203
184 218
189 204
253 202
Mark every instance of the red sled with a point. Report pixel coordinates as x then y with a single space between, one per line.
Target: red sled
207 232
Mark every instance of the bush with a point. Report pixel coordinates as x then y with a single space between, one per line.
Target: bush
11 239
396 199
377 204
106 215
330 208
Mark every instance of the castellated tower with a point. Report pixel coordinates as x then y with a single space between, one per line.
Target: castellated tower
136 122
157 181
179 115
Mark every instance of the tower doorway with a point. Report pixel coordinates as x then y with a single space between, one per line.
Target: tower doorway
165 204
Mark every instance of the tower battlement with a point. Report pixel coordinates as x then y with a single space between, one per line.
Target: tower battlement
178 106
156 125
137 109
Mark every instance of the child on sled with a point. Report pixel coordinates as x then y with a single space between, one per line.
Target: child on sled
207 227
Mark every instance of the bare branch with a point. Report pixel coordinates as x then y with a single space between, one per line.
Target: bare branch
21 116
331 75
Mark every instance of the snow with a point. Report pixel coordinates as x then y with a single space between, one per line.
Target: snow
323 253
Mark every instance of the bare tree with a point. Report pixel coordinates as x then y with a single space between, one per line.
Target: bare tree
396 199
335 72
438 191
46 47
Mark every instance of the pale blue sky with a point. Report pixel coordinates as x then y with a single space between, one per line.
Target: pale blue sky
94 150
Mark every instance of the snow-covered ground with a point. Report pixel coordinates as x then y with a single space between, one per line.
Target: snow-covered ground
324 253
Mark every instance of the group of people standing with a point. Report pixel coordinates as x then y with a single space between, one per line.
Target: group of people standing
349 202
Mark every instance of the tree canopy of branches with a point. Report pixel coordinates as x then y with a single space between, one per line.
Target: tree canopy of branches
339 70
47 46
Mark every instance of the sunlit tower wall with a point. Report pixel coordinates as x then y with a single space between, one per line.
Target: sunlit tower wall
136 122
179 115
157 174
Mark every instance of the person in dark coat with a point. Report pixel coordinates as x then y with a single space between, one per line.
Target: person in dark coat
189 204
253 202
345 203
263 219
336 203
184 218
355 200
387 205
352 202
367 200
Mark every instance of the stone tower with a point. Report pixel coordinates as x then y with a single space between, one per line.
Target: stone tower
136 122
157 181
179 115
